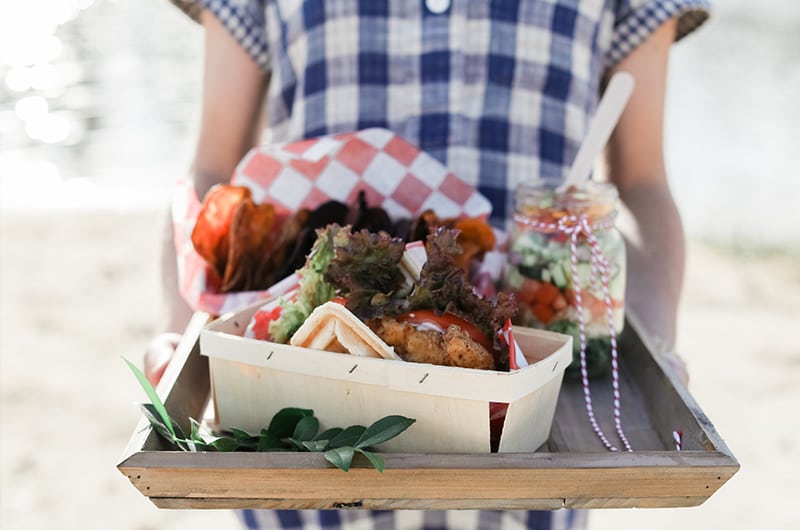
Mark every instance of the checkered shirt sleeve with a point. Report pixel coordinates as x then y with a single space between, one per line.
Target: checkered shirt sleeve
636 20
244 20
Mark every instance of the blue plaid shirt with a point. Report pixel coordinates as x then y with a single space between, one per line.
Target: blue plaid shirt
414 519
497 90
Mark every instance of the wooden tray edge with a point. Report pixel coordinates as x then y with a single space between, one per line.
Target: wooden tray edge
702 420
184 389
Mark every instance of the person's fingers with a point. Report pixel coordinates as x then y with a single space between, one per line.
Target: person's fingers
671 358
158 355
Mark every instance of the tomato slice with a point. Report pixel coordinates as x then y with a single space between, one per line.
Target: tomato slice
427 318
262 320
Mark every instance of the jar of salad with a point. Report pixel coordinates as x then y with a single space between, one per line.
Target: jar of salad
566 266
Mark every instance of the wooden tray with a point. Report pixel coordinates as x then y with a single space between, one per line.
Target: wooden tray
571 470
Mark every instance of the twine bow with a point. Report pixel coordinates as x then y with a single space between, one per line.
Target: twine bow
576 227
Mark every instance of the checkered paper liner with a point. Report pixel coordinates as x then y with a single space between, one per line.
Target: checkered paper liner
392 173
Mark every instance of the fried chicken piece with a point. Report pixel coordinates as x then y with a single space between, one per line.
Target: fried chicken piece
465 352
454 347
413 344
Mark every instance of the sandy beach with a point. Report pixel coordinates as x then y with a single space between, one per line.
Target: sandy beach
79 291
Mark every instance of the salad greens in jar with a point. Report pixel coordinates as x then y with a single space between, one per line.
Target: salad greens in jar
542 274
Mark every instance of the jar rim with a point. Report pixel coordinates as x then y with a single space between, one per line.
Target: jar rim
593 192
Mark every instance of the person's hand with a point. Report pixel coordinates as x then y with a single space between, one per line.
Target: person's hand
158 355
673 361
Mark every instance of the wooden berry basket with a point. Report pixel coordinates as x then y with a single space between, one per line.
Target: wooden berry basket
571 470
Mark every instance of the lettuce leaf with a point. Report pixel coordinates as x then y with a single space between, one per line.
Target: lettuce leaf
364 267
367 272
314 288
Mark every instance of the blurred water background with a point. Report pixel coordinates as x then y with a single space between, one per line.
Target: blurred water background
98 109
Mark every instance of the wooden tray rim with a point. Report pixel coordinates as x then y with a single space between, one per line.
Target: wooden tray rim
571 480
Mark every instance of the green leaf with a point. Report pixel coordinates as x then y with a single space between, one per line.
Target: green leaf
177 428
269 442
241 434
340 457
376 459
316 446
306 429
348 436
157 422
285 420
330 434
205 440
152 395
296 444
198 432
224 443
244 439
177 438
198 437
383 430
194 446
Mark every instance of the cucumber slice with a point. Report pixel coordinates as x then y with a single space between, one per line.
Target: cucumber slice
584 274
557 274
513 278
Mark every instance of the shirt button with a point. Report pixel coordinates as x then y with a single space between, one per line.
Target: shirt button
437 6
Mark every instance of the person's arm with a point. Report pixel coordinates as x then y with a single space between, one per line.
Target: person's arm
230 125
649 216
233 95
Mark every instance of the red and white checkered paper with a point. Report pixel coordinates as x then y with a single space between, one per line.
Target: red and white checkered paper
394 174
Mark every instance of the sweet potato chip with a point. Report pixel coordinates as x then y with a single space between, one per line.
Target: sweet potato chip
251 246
252 239
422 225
477 231
211 233
476 238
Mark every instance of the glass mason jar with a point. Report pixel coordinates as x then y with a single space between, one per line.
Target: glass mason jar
560 241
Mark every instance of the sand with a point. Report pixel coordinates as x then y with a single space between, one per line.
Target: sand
78 291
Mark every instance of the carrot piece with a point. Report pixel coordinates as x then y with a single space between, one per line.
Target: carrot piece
560 302
596 306
569 294
547 293
527 291
543 312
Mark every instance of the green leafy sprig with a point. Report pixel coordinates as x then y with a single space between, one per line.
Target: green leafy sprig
291 429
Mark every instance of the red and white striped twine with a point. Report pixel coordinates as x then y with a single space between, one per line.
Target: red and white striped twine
678 437
576 226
